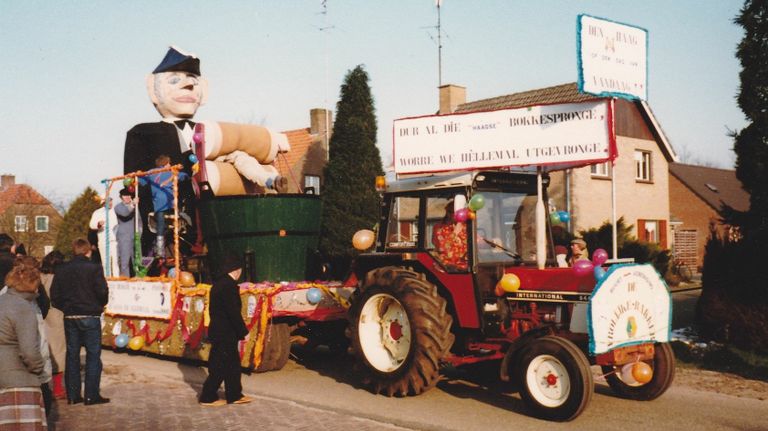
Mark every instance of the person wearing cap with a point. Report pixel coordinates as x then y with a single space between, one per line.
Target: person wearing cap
103 219
578 251
125 211
227 328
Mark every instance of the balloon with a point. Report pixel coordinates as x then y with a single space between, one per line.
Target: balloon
314 295
127 181
363 239
198 137
599 272
136 343
583 267
461 215
131 188
642 372
510 282
499 291
172 272
599 257
636 373
121 340
554 217
195 168
187 279
564 216
193 158
477 202
471 215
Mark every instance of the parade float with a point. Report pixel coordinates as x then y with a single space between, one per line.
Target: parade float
234 203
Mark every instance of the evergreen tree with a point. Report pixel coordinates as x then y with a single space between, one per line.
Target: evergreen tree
350 201
75 222
734 302
751 144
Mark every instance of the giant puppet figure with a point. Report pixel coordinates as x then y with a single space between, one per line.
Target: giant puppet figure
237 157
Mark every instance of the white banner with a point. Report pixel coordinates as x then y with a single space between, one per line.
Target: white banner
571 134
140 298
630 305
612 58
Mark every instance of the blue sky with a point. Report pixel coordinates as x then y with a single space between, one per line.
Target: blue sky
73 72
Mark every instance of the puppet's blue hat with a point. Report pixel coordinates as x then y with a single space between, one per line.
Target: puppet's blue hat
177 60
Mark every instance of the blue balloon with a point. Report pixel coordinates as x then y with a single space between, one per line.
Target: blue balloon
314 295
172 272
121 340
599 272
564 216
193 158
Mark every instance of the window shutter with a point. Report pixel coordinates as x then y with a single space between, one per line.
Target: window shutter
663 233
641 230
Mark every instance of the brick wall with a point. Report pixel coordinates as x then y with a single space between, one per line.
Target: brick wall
693 212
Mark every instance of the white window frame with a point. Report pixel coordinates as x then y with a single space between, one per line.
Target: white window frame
20 223
600 170
643 166
652 231
312 181
37 221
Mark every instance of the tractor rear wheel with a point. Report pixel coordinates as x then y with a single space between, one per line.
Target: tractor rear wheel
663 365
556 382
400 331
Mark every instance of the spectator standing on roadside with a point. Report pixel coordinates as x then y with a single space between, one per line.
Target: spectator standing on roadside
54 325
80 291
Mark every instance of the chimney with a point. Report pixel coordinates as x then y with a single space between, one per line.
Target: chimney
451 96
6 181
321 125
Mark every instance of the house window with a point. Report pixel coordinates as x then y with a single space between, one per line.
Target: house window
653 231
642 165
20 223
41 223
312 184
600 170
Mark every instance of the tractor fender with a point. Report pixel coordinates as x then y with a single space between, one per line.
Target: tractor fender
516 345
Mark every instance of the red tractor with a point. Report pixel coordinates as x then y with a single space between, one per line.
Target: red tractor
421 305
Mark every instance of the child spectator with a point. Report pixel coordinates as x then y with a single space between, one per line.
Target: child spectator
161 185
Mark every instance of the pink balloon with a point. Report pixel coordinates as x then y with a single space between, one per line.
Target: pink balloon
461 215
599 257
583 267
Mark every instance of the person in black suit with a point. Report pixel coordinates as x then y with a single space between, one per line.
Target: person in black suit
226 329
80 291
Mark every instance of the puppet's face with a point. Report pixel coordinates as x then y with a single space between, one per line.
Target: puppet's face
176 94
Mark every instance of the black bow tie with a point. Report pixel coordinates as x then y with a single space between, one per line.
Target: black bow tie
180 123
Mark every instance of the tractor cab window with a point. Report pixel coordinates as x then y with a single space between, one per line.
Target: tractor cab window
403 227
446 236
506 227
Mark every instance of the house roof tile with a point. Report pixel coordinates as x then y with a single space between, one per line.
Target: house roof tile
564 93
714 186
20 194
300 141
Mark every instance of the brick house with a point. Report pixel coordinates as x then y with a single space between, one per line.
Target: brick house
640 171
303 165
28 217
696 194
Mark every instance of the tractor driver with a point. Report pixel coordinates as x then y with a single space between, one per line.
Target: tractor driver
449 237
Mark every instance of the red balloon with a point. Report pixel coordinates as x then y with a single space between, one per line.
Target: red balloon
583 267
599 257
461 215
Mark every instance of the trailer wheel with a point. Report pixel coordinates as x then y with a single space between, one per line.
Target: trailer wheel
276 348
663 365
399 331
556 382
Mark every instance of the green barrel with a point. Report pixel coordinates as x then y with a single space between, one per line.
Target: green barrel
281 232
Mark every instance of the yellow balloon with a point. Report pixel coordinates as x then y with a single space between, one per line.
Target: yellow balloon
186 279
510 282
363 239
136 342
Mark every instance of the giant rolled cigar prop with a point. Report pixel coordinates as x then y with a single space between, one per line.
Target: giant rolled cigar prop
259 142
225 180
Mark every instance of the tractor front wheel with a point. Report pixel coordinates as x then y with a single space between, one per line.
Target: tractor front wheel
663 366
